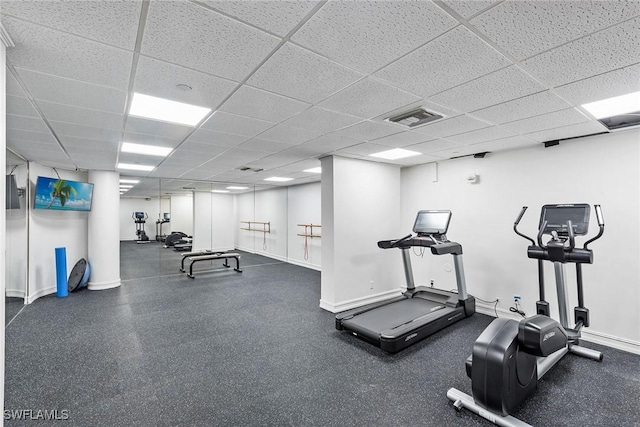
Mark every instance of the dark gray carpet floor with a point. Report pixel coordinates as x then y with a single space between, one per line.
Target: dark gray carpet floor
254 349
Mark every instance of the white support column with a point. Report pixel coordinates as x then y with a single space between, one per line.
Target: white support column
104 226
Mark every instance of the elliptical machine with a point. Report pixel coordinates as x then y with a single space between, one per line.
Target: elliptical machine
140 218
509 357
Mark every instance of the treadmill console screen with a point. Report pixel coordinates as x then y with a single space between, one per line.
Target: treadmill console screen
558 215
432 222
139 215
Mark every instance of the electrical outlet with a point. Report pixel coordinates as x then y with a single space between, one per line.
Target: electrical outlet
371 284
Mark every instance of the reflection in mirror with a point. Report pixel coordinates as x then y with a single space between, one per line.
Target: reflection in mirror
16 234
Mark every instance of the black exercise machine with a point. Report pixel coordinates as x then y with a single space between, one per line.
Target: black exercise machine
166 218
509 357
419 312
140 218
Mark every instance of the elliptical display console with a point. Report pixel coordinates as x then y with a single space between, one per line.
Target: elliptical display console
509 357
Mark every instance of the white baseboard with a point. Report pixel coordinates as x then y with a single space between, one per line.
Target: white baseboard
42 292
12 293
358 302
587 334
93 286
305 264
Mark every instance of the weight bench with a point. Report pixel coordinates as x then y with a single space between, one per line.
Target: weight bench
211 256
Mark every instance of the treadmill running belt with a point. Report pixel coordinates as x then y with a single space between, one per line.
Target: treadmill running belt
373 322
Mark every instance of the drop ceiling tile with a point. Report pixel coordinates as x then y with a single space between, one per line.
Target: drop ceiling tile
239 155
61 54
571 131
237 125
277 17
141 138
200 147
72 92
34 124
364 149
81 116
513 25
161 79
368 131
259 104
509 143
45 156
328 143
95 163
217 138
264 145
23 146
156 127
495 88
140 158
448 61
434 146
20 106
607 50
468 8
207 41
194 158
289 135
547 121
452 126
521 108
464 150
418 160
86 132
12 86
26 135
321 120
402 139
482 135
112 22
314 79
73 142
358 34
614 83
84 153
197 174
369 98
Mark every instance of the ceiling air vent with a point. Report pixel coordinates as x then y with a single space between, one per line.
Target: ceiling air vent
416 118
247 168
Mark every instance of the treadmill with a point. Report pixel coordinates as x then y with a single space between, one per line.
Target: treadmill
420 311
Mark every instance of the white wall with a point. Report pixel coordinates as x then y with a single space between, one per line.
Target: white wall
214 221
182 214
271 207
127 225
16 241
244 211
303 207
601 169
51 229
360 206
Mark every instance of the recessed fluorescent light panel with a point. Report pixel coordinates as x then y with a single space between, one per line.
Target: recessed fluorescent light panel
395 154
617 112
219 191
151 107
233 187
129 166
123 187
149 150
278 179
314 170
129 181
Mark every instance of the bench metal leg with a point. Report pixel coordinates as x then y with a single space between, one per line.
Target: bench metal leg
237 264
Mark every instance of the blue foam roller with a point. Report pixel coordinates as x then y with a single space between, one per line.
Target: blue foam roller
61 273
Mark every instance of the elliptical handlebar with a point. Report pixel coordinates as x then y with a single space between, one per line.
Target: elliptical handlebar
600 218
515 226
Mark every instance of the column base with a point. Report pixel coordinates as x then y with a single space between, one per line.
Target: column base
93 286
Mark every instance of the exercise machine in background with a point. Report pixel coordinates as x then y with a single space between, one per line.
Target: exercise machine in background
419 312
140 219
166 218
510 357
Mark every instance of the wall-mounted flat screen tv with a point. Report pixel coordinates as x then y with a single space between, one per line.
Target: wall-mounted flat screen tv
62 195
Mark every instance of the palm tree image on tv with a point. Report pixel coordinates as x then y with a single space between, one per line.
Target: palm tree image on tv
63 195
62 191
